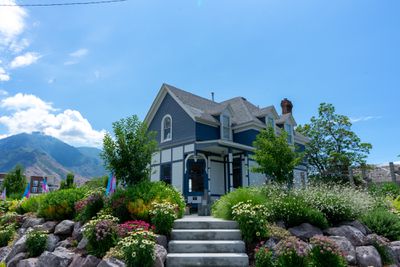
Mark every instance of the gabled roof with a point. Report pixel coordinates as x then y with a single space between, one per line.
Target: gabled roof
286 117
207 111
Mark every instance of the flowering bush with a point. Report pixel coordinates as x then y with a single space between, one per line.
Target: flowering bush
6 234
263 257
133 226
252 220
31 204
222 208
102 234
137 249
88 207
278 232
36 242
139 210
325 253
11 218
163 215
292 252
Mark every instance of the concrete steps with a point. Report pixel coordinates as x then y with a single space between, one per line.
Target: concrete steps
206 241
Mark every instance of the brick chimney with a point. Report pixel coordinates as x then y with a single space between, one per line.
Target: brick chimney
287 106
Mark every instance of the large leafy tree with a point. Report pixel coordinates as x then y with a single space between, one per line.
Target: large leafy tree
274 156
333 146
15 182
69 181
128 155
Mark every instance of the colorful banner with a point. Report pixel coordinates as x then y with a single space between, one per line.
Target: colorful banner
4 194
27 191
111 185
45 187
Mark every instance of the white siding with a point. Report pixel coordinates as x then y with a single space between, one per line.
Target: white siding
166 155
177 153
155 159
189 148
255 178
217 185
177 175
155 173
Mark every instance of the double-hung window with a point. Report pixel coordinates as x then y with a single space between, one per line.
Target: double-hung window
289 131
166 128
226 127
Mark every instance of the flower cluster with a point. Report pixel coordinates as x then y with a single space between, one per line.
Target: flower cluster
163 215
325 252
102 234
6 234
325 245
133 226
292 245
137 249
252 220
90 205
263 256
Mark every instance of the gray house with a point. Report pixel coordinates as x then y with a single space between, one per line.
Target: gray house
206 146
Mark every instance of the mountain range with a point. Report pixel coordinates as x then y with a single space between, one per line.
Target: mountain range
45 155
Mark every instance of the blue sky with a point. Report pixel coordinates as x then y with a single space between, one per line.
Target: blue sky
80 68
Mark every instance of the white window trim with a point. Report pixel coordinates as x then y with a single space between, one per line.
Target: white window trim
291 134
162 129
222 127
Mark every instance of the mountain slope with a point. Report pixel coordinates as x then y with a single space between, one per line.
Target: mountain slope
45 155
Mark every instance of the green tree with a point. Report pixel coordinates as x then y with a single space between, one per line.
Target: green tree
69 181
333 146
128 155
15 182
275 157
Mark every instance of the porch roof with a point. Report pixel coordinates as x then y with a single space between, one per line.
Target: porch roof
220 146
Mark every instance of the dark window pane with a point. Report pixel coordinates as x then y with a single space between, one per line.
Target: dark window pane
166 173
196 176
237 172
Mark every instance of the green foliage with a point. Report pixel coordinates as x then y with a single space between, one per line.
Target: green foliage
163 216
60 205
294 210
275 157
333 146
383 222
325 253
128 156
98 182
134 202
69 182
386 189
102 234
384 252
263 257
291 252
31 204
252 220
137 249
36 243
88 207
6 234
15 182
222 208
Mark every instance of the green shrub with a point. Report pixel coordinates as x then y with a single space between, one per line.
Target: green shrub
263 257
60 205
36 243
252 220
135 201
291 252
337 202
31 204
102 234
386 189
163 216
6 234
293 210
325 253
137 249
384 252
88 207
383 222
11 218
222 208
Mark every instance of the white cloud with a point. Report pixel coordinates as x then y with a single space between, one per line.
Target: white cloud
3 75
16 46
29 113
3 92
24 60
364 118
12 22
79 53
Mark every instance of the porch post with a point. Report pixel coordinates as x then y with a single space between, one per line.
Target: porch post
230 162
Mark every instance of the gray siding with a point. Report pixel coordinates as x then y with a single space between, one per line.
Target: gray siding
183 127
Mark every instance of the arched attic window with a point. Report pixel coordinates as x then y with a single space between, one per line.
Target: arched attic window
166 128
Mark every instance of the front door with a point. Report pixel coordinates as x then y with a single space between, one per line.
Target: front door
195 177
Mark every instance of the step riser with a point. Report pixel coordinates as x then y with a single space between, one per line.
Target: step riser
237 247
206 235
207 261
205 225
